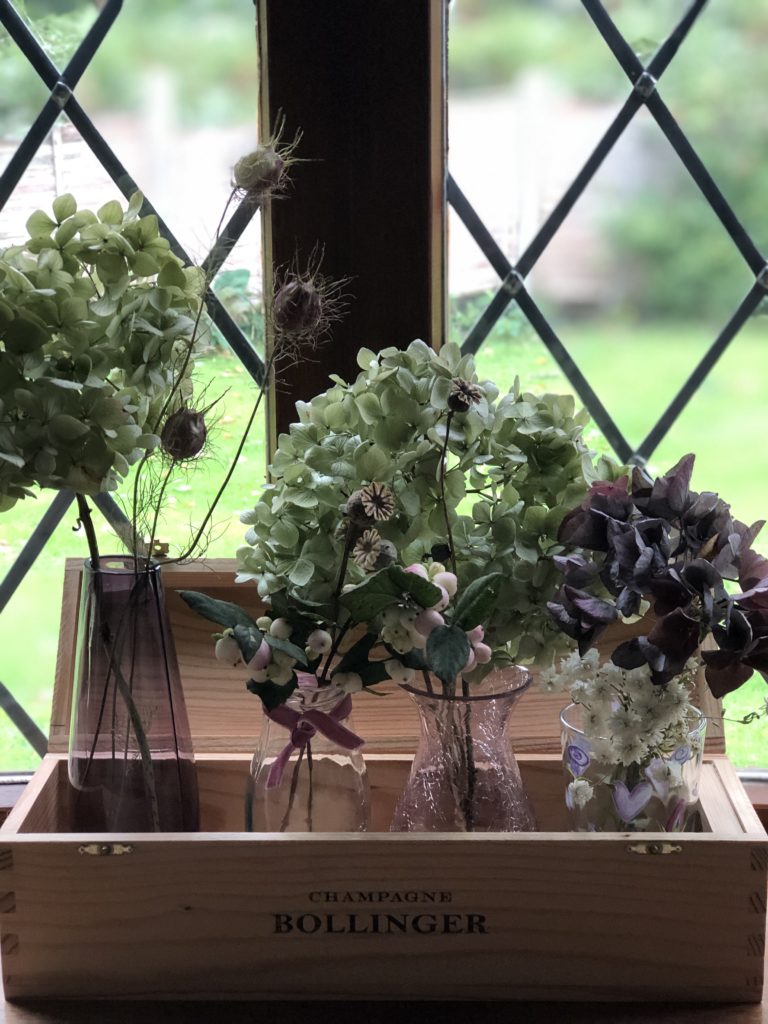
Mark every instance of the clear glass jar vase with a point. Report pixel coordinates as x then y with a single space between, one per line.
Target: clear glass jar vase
657 794
131 764
308 774
464 776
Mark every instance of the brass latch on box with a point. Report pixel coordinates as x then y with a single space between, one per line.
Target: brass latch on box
105 849
654 848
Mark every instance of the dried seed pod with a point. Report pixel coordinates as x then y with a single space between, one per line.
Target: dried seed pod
184 434
298 307
463 395
355 511
259 172
263 173
378 501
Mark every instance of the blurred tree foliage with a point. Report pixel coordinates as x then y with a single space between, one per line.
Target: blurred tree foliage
207 46
675 258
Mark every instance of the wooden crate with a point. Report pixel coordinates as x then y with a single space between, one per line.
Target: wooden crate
222 913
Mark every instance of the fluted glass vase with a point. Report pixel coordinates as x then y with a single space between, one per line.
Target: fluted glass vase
131 765
464 776
308 774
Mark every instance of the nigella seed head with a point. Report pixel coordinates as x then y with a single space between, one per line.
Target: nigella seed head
259 172
263 173
298 307
378 501
305 303
355 511
463 394
184 434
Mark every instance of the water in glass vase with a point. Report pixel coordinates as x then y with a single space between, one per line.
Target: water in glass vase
308 774
130 761
464 776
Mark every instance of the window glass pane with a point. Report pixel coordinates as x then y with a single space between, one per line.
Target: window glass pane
173 90
641 277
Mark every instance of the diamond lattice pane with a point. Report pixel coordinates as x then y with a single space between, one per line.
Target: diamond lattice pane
645 24
531 94
636 303
716 89
29 624
174 93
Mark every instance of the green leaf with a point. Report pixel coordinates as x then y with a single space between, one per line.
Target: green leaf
356 657
285 607
477 601
64 206
15 460
143 264
302 572
40 223
24 335
422 591
225 613
111 213
248 640
65 428
111 267
369 598
272 695
447 652
171 276
284 533
278 644
372 462
373 672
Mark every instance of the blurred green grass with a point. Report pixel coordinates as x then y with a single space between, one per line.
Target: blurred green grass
634 369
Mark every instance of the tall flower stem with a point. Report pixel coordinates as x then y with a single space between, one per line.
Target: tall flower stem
292 794
84 514
443 498
469 748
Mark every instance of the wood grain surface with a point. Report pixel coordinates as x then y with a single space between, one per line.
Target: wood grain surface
224 717
216 913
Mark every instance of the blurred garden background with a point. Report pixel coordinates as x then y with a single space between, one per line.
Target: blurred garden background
638 282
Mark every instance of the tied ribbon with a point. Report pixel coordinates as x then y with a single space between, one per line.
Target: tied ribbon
303 725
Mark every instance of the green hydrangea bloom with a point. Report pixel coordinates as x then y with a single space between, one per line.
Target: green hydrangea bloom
96 318
517 463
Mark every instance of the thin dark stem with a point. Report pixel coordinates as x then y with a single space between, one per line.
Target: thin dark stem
342 631
349 541
469 748
427 681
233 465
292 793
443 500
310 793
158 509
84 512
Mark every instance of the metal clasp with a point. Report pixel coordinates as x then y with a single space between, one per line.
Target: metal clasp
654 848
105 849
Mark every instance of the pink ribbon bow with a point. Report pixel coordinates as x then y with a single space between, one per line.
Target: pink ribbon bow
303 725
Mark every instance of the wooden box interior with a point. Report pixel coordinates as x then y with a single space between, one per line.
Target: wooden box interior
225 718
726 812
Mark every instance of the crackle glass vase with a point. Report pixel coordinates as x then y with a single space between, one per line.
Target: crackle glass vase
657 794
308 774
131 765
464 776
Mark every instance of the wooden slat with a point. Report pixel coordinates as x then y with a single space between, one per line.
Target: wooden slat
225 717
364 81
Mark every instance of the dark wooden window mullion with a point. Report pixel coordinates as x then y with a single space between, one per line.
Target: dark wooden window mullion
364 82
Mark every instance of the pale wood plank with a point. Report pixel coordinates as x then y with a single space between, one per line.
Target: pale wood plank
225 717
578 915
